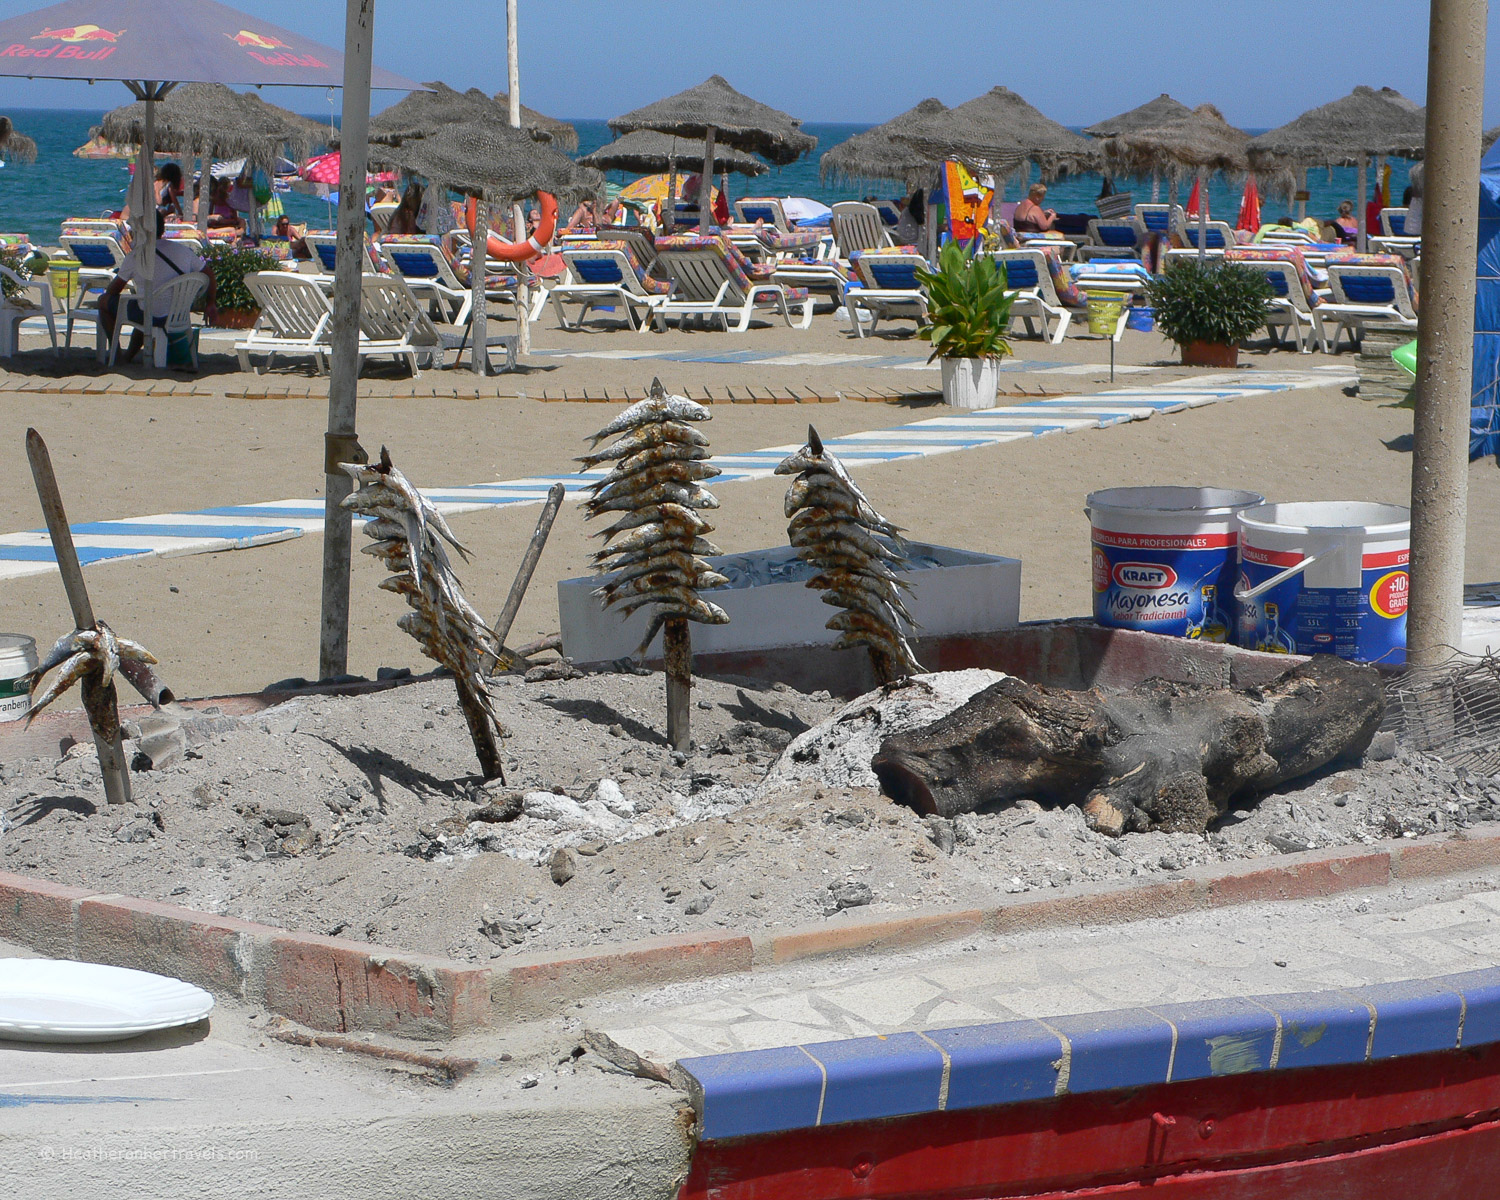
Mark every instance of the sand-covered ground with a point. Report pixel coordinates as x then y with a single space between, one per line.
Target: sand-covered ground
235 622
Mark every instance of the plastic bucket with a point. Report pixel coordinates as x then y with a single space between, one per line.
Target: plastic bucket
1164 558
63 273
1325 578
17 661
1142 320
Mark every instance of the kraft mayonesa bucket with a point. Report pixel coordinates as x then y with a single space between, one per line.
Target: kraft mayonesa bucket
17 661
1325 578
1164 558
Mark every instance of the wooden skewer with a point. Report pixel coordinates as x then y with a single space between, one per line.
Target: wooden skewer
677 655
101 703
533 554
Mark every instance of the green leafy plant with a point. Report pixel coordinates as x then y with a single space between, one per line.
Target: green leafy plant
968 307
18 261
230 265
1222 304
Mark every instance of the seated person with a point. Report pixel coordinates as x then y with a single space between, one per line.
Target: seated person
404 219
222 214
908 229
172 259
1345 224
297 243
1030 216
582 220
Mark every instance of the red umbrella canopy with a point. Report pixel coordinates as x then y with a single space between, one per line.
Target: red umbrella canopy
325 169
181 41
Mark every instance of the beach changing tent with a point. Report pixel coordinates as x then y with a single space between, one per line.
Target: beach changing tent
1484 413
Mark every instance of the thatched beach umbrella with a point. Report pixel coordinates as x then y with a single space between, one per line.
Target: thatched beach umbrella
1343 133
997 133
715 111
564 136
1146 116
16 145
879 153
495 164
209 118
646 152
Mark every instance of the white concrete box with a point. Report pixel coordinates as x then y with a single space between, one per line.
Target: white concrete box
769 605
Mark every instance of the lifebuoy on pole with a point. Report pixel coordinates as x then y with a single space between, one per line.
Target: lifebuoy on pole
505 251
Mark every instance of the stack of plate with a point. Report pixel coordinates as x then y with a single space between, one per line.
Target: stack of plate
54 1000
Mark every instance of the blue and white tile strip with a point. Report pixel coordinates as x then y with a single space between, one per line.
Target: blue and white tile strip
905 1074
237 526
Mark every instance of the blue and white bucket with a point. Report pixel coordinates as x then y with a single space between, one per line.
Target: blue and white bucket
1142 320
1164 558
1325 578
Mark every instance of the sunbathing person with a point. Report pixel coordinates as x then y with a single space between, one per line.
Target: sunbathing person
1030 216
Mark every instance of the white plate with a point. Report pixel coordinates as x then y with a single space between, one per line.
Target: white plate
56 1000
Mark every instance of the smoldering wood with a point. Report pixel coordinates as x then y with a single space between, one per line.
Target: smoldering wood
1161 756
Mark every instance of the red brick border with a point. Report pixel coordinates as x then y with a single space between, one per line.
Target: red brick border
344 986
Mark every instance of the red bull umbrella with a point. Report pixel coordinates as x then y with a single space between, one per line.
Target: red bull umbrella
153 45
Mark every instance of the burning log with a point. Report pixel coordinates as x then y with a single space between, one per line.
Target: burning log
655 488
1161 756
407 528
856 551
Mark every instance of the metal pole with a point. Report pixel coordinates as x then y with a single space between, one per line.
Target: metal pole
1359 207
1302 197
513 81
706 192
1440 432
479 336
1202 216
340 443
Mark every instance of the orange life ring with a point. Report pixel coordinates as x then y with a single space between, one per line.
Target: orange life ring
505 251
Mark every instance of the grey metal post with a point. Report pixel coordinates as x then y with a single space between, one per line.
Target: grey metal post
518 214
343 370
1359 207
479 327
1440 436
706 192
1202 215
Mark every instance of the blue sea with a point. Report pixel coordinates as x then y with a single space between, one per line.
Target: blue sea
35 197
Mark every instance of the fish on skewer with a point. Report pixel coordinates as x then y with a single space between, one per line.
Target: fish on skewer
91 658
407 534
656 482
834 527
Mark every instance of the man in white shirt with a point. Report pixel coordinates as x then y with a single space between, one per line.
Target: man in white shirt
172 259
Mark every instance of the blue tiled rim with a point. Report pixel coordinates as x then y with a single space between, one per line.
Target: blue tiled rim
902 1074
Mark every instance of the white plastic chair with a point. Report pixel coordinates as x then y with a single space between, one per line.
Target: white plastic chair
13 313
857 226
179 296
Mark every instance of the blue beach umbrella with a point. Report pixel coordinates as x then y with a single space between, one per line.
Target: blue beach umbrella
137 42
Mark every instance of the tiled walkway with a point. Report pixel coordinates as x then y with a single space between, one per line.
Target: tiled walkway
242 525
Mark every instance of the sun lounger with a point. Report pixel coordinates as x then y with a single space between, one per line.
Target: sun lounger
1114 237
180 296
1161 218
1366 294
766 209
381 214
421 261
99 256
1029 273
393 321
1217 235
857 226
640 242
891 290
607 275
1296 303
1393 222
295 316
712 280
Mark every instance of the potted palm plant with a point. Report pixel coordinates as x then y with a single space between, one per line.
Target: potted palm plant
968 311
230 265
1208 309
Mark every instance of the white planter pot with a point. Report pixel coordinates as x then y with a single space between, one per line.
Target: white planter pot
970 382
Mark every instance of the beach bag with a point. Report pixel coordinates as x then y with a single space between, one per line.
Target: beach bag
180 347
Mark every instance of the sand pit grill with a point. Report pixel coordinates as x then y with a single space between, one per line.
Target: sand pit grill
1451 711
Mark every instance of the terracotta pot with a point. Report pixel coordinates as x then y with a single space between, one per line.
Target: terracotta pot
236 318
1210 354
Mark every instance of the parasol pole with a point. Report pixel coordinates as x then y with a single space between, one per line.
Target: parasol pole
671 214
480 252
706 191
340 443
1202 214
205 185
1440 430
1359 207
479 334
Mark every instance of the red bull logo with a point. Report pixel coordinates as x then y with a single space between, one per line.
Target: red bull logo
70 41
264 50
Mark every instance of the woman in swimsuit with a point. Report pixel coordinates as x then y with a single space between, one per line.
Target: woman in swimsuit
1030 216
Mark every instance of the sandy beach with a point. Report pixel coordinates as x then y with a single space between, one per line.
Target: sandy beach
236 621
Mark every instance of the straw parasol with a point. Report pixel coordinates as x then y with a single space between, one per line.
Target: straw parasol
490 162
17 145
421 114
1343 133
200 119
714 111
1147 116
646 152
999 133
880 154
1197 141
564 136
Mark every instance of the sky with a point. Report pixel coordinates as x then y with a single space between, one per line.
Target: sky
864 61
